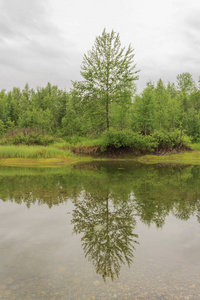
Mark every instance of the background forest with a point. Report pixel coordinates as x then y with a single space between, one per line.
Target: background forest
105 105
64 114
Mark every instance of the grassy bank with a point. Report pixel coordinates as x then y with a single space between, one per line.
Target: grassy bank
23 155
57 155
187 158
34 152
21 148
41 162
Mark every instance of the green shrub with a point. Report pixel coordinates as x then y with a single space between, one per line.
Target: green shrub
126 138
115 138
73 140
26 137
158 140
174 139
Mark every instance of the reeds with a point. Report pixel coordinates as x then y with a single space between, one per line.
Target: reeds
34 152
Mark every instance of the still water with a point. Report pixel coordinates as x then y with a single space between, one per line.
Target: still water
100 230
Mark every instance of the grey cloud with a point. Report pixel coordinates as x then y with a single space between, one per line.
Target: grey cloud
191 39
193 20
22 17
31 46
184 56
192 24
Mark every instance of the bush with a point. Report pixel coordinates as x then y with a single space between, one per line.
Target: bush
174 139
126 138
73 140
26 137
147 143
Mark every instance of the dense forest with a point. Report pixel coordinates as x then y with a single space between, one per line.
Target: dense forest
106 101
58 112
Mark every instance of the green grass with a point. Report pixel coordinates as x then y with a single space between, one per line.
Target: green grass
187 158
61 149
88 143
195 146
35 152
63 145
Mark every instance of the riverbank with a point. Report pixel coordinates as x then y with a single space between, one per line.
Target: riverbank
41 162
27 147
186 158
37 156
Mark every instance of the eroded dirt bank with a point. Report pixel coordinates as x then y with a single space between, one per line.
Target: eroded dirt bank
125 152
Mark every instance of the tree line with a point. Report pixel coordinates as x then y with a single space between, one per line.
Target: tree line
106 99
55 111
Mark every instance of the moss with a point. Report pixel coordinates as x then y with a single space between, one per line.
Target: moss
42 162
187 158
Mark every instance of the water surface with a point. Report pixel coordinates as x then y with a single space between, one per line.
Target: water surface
101 230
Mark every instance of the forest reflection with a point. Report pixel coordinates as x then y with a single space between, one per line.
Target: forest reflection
108 199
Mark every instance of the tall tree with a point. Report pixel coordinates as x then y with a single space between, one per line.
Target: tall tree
144 114
108 71
185 82
161 98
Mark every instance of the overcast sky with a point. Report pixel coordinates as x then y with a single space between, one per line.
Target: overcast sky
44 40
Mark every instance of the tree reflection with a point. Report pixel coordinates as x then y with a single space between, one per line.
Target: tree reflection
108 239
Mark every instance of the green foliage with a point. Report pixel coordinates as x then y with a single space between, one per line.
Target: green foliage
88 142
185 83
10 125
105 98
195 146
158 140
172 139
144 113
26 136
2 127
126 138
108 72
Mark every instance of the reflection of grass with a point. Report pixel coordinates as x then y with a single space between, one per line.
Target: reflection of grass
18 170
188 158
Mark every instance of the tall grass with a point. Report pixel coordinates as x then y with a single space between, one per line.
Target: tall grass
195 146
36 152
62 145
89 143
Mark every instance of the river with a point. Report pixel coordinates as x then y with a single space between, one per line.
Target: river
100 230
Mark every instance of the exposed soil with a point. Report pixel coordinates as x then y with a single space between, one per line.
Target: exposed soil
125 152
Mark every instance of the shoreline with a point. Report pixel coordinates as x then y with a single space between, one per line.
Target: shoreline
40 162
186 158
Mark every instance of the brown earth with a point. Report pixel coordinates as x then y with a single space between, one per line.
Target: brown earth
124 152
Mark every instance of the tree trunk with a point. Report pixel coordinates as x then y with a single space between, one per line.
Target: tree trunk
107 112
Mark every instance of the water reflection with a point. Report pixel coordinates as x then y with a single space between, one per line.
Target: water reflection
108 198
108 231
